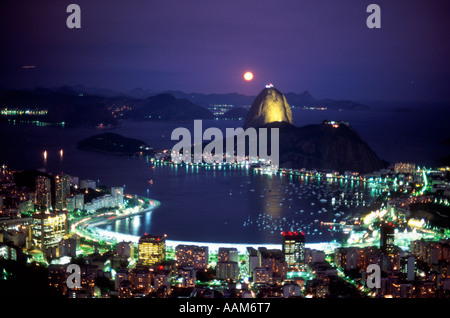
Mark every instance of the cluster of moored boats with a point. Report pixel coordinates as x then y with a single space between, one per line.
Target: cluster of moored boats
301 206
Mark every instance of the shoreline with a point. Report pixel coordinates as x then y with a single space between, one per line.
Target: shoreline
116 237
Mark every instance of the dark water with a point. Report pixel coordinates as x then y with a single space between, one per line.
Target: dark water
230 205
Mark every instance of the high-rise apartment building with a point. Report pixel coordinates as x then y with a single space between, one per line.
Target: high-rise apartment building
62 189
294 248
48 229
152 249
43 191
117 194
387 238
228 254
191 255
227 271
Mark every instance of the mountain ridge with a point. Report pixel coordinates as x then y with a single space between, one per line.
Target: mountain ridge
79 105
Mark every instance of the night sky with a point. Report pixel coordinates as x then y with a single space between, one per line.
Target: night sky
206 46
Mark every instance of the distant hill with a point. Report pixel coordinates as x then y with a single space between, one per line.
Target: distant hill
74 114
322 147
63 105
79 105
326 147
205 100
298 100
341 104
75 108
113 143
167 107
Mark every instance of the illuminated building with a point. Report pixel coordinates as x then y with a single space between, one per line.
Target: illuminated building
314 256
125 289
70 203
402 290
387 238
186 277
401 167
26 206
141 279
227 271
105 201
11 212
252 260
43 191
124 254
117 194
262 275
125 249
160 281
57 277
88 184
376 257
357 258
274 260
227 254
79 202
121 275
75 202
62 189
152 249
407 266
48 229
431 252
426 289
88 275
386 285
354 258
9 251
321 288
293 248
191 255
68 247
291 289
318 288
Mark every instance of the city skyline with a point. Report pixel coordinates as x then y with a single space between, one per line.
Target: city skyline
207 46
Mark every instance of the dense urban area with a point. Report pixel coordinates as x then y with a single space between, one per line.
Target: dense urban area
49 245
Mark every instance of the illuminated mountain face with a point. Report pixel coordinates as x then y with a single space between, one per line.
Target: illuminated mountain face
269 106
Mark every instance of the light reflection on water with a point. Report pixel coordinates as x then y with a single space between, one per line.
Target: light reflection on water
196 202
239 205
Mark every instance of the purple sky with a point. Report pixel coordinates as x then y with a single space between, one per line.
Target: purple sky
206 46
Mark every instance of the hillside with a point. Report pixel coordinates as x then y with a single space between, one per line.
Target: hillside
113 143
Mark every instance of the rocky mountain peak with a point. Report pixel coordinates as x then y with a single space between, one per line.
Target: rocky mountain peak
269 106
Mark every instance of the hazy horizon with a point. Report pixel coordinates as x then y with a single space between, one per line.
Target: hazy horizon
150 92
324 47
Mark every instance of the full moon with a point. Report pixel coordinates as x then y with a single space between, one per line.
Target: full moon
248 76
